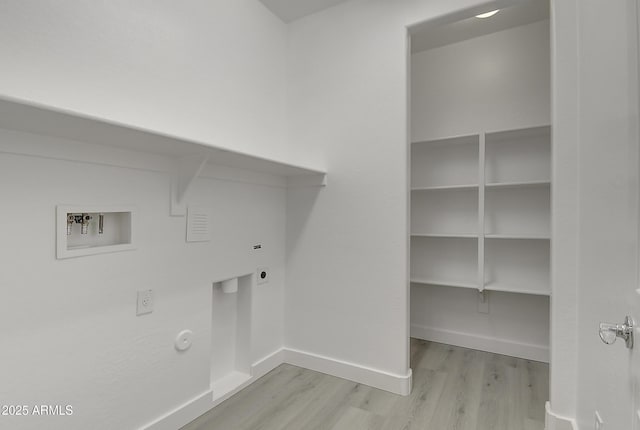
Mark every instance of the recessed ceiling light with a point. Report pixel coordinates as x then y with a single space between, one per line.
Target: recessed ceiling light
488 14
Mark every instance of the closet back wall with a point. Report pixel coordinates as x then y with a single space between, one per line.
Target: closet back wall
495 82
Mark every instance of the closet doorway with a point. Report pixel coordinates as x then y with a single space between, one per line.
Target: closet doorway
480 178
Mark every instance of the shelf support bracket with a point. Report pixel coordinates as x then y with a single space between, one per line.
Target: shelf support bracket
186 169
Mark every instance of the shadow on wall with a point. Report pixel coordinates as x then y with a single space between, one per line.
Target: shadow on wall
300 205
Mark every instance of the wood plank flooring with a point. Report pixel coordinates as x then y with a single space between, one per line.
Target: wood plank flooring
453 389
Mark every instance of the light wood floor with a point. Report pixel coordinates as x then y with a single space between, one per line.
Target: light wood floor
453 389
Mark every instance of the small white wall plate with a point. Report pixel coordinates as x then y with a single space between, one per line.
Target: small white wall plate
183 340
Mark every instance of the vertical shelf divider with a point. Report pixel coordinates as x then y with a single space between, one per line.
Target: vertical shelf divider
481 212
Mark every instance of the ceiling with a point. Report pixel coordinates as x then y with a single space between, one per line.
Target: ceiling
433 36
290 10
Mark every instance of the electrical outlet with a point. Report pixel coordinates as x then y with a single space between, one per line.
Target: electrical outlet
145 302
263 275
599 422
483 302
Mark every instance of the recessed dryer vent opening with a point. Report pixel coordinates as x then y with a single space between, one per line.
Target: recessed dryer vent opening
231 334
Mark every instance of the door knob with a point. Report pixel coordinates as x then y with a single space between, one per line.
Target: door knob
610 332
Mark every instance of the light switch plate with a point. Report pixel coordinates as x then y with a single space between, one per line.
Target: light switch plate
145 302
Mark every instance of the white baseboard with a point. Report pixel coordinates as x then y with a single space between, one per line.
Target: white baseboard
199 405
182 415
398 384
556 422
481 343
267 364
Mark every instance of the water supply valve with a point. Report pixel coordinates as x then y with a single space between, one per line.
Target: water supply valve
84 220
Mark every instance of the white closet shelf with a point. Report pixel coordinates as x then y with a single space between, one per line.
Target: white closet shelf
518 236
519 134
446 187
525 184
469 139
443 283
544 291
446 235
482 204
30 117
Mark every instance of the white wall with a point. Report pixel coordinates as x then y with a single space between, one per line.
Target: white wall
564 225
70 327
206 70
595 162
211 71
607 158
495 82
347 275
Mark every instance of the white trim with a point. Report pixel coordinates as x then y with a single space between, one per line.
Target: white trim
299 181
557 422
201 404
482 343
34 145
189 411
53 148
398 384
33 117
234 174
267 364
183 414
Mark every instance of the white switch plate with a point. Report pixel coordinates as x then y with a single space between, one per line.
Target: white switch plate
145 302
599 422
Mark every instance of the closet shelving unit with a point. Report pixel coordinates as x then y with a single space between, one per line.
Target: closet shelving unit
480 211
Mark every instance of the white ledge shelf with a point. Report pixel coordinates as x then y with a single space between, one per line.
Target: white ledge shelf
446 187
446 235
543 291
517 236
469 139
489 287
524 184
443 283
30 117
